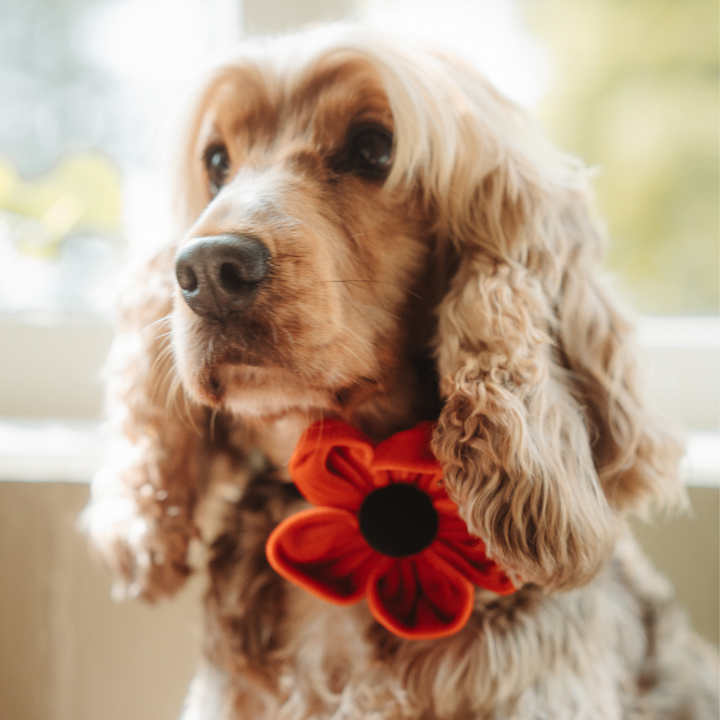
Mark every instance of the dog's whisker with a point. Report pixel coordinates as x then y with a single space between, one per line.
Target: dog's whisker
175 394
165 320
211 429
290 338
360 283
162 363
376 308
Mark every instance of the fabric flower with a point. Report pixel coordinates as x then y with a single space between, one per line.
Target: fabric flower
384 528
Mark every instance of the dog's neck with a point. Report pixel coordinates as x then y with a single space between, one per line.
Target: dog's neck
378 409
406 393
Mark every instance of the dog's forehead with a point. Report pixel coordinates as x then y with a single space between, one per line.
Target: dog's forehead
323 97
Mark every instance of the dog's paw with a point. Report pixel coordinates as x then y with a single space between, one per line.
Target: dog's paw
139 536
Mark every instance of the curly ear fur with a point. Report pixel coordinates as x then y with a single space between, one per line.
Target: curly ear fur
140 518
543 434
635 453
167 451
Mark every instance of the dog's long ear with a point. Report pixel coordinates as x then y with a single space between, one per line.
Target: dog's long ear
140 518
543 435
140 515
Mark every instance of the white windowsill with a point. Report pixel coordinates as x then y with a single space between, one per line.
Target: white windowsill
71 451
682 359
50 450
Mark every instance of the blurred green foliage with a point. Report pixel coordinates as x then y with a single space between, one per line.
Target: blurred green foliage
634 91
80 194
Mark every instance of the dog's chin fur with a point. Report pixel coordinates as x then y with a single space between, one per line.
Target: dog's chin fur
268 405
454 286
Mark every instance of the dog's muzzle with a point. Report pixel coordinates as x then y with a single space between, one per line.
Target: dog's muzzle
220 275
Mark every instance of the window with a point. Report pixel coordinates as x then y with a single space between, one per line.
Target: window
629 85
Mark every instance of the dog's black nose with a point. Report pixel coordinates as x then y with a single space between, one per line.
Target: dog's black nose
219 275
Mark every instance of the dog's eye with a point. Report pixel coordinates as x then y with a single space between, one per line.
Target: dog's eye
217 163
368 153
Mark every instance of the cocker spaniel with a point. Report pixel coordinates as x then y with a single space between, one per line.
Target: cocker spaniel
371 232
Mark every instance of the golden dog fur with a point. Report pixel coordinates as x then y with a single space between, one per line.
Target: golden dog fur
455 285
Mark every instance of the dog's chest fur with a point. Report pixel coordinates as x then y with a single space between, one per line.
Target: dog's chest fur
601 651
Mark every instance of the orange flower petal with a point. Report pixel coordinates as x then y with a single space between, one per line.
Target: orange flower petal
321 550
330 465
467 555
415 601
429 594
408 457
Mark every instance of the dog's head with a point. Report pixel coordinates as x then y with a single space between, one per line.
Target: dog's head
299 277
374 232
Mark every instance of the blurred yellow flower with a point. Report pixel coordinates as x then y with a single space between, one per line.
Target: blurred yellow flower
81 194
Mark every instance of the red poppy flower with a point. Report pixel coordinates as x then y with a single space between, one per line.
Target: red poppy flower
384 528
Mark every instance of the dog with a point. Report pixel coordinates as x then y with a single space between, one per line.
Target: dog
371 232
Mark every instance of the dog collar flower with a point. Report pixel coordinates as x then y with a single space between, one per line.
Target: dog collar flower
383 528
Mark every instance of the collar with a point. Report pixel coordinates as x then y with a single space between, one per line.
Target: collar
382 528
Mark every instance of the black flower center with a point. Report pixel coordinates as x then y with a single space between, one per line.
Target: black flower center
398 520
